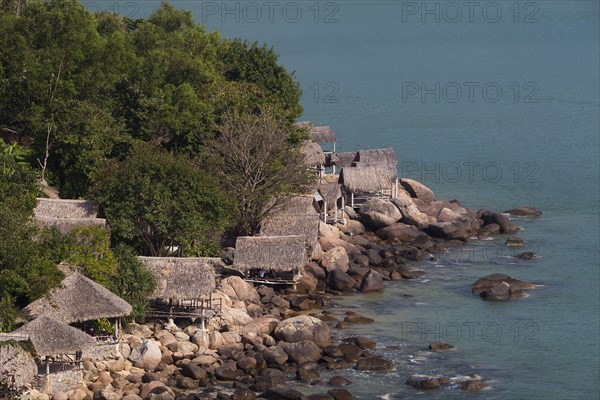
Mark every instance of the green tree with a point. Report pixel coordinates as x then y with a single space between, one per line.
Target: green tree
133 282
155 200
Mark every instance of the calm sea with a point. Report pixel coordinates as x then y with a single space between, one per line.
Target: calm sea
495 103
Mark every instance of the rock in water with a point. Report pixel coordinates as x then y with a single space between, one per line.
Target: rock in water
372 282
500 287
378 364
339 280
506 226
524 211
423 382
514 241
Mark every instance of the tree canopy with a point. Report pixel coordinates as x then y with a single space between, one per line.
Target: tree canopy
153 118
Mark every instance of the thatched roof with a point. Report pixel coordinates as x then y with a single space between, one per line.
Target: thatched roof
296 205
330 192
345 159
62 208
17 366
375 156
179 278
322 134
313 154
278 253
51 337
366 180
306 225
78 299
65 225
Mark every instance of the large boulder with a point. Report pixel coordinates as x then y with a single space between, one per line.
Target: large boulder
417 189
336 258
328 231
398 233
303 352
500 287
262 325
524 211
352 227
506 226
378 213
423 382
328 243
375 363
238 289
147 356
339 280
455 230
235 318
303 327
410 213
372 282
275 355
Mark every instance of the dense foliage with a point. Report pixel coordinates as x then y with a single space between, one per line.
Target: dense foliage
158 202
134 114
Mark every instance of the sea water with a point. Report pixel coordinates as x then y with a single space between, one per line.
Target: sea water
494 103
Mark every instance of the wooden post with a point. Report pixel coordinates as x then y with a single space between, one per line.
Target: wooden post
352 200
324 211
332 154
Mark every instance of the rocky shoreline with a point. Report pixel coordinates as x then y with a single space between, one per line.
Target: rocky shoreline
266 337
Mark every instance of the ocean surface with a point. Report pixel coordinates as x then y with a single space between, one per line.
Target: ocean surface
494 103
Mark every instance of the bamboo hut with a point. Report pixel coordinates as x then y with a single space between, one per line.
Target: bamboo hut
306 225
296 205
79 299
332 202
184 287
314 157
271 259
345 159
65 214
362 183
17 368
54 341
323 136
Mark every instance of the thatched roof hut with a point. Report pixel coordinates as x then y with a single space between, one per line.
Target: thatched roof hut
330 192
366 180
295 205
51 337
65 225
322 134
65 214
376 156
63 208
345 159
306 225
276 253
313 154
17 366
179 278
78 299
